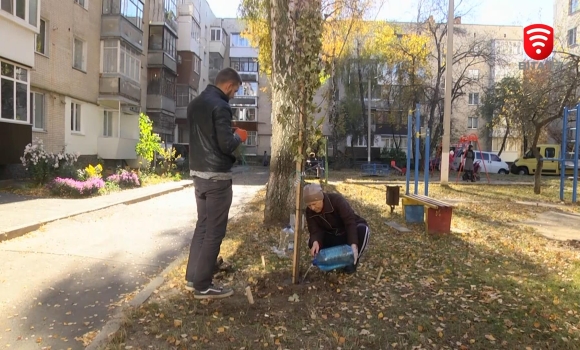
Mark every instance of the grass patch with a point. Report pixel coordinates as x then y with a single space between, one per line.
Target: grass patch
497 285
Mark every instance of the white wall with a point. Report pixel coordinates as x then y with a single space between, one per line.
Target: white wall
129 126
17 43
84 142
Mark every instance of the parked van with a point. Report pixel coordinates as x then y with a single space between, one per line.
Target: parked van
491 162
526 165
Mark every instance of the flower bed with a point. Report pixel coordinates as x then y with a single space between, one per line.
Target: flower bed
125 179
76 188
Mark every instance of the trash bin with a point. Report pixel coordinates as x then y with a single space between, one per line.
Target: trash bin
393 196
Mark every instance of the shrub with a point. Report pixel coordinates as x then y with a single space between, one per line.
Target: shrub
125 179
90 172
75 188
42 166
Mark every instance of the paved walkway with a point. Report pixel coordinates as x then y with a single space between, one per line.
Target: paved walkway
62 283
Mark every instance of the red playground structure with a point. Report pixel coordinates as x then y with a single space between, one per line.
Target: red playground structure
464 143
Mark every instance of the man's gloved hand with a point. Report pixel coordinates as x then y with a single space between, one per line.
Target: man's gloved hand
354 252
242 134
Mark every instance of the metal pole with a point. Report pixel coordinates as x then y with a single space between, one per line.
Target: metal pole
409 149
448 88
576 155
427 160
369 125
563 153
417 144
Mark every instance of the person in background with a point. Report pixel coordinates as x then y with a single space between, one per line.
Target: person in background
214 140
468 166
332 221
266 159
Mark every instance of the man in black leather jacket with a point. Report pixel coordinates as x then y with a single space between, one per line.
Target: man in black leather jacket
212 142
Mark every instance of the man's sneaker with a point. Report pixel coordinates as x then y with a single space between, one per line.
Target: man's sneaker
189 286
213 292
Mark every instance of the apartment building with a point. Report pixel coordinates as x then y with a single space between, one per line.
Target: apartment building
566 22
19 25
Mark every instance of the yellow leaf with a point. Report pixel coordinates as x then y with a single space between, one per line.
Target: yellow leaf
341 340
177 323
489 337
471 341
221 330
277 341
381 315
420 328
537 324
440 334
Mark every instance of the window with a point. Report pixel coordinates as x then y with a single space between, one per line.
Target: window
161 38
18 5
37 110
108 124
41 38
361 141
216 34
248 89
238 41
472 123
479 154
474 98
119 57
83 3
79 54
170 9
195 30
33 12
75 117
170 44
252 139
244 114
247 64
571 37
185 94
132 10
473 74
550 152
161 82
574 6
14 94
495 158
196 64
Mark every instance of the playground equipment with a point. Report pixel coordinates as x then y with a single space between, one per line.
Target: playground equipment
569 131
418 208
465 141
419 133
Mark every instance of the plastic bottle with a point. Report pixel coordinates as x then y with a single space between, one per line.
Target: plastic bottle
290 233
333 258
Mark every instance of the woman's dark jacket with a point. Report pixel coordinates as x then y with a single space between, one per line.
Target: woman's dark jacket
337 218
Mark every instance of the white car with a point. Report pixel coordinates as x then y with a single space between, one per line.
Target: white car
491 162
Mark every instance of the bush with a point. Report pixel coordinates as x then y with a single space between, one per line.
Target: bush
90 172
74 188
398 155
125 179
43 166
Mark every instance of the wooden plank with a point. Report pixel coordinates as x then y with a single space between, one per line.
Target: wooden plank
427 200
398 227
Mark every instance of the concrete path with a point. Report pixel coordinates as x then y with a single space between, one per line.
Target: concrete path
64 281
556 225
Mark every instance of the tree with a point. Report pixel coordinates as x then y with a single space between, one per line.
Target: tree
537 99
288 34
149 142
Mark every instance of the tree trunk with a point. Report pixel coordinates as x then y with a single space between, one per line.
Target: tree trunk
505 136
362 93
280 193
539 160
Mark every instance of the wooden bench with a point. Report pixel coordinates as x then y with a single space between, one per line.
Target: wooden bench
435 213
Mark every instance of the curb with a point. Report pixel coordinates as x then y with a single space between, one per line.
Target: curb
21 231
115 323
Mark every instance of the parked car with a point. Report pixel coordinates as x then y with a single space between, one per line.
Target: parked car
491 162
526 165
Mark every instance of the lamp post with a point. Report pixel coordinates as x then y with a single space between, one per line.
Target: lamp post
448 89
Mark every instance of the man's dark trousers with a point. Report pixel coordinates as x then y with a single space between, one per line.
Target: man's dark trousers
214 199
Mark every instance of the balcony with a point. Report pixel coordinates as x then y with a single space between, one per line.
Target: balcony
119 88
116 148
161 59
117 26
218 47
189 10
249 76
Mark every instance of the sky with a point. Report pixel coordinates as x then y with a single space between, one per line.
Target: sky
495 12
